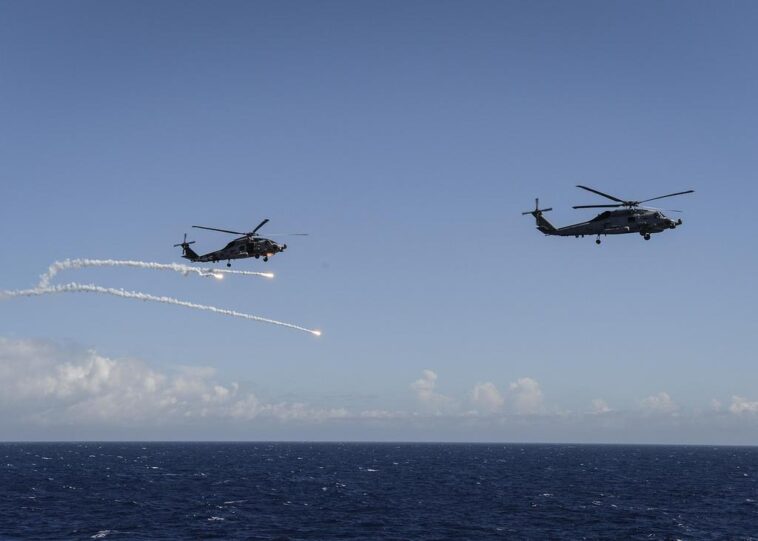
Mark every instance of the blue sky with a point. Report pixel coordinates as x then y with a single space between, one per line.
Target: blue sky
406 138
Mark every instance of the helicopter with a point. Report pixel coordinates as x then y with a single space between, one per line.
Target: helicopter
629 218
249 244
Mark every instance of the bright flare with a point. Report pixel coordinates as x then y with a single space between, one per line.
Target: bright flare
316 333
218 276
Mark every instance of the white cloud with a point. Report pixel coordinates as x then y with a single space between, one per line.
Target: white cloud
48 390
659 403
742 405
486 397
424 386
600 406
424 389
526 396
383 414
46 383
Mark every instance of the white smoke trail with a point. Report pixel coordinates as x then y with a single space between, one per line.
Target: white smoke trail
59 266
90 288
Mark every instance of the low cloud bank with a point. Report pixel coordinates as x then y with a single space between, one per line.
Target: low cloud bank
45 383
54 391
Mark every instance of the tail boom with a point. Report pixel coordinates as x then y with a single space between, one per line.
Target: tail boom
189 253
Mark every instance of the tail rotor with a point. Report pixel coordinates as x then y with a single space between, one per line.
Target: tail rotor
187 252
542 224
184 243
537 210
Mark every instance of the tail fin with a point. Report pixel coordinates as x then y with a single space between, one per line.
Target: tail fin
187 252
542 224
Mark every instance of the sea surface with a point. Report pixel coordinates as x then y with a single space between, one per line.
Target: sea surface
375 491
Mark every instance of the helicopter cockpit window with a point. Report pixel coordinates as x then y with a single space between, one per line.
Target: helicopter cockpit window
601 216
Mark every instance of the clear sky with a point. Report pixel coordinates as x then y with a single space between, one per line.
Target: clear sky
406 138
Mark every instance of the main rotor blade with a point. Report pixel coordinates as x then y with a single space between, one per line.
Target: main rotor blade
663 210
669 195
287 235
598 206
222 230
600 193
254 231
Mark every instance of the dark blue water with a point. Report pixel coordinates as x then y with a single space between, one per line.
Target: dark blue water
375 491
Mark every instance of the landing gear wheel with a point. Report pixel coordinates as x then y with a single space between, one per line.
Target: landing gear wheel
265 259
647 236
228 264
597 241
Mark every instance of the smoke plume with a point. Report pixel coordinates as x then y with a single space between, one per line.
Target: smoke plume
59 266
91 288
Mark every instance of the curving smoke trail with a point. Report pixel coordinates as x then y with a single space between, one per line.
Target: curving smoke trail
90 288
59 266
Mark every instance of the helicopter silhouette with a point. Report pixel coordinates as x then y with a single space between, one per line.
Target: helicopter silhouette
630 217
249 244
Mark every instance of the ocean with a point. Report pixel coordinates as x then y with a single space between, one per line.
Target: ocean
293 491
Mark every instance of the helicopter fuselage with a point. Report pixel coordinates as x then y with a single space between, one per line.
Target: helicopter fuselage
617 222
627 217
249 244
241 248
